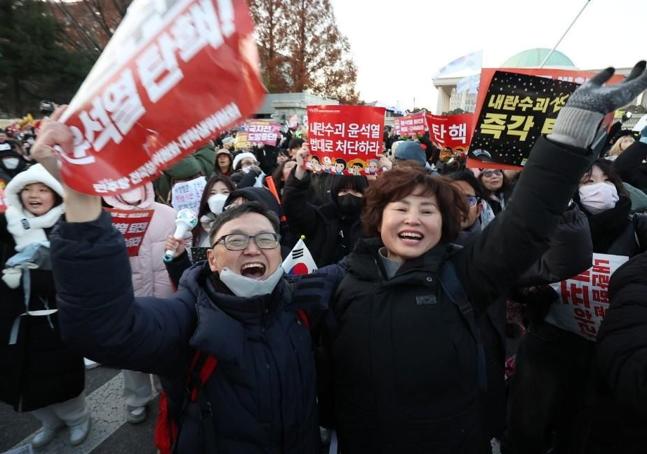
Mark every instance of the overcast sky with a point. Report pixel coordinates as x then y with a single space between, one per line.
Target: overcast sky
398 45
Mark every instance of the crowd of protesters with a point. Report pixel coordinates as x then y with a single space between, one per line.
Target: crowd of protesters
426 329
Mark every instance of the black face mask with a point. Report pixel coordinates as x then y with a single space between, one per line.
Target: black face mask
349 204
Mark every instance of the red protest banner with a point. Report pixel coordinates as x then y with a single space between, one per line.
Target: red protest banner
451 131
411 125
563 76
261 132
345 140
172 77
585 297
132 224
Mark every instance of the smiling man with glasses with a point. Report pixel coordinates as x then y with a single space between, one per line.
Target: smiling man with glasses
245 251
237 307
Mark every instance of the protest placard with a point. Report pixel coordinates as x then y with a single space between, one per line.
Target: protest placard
451 131
175 74
187 194
584 298
132 224
242 141
515 107
411 125
345 140
262 132
517 110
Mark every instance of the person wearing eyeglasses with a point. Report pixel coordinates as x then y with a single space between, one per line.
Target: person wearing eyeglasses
237 306
406 360
497 189
473 223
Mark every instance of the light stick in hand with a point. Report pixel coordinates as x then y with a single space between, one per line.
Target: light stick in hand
185 221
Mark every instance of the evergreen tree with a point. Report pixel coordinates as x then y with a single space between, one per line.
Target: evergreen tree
34 65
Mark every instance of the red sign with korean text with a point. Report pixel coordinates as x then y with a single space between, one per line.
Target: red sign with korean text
563 75
261 132
132 224
411 125
173 76
584 298
451 131
345 140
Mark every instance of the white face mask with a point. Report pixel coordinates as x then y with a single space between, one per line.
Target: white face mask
246 169
246 287
216 203
134 197
598 197
11 163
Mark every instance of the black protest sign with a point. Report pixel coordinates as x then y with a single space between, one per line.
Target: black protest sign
516 111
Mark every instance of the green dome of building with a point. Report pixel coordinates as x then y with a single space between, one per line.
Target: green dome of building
532 58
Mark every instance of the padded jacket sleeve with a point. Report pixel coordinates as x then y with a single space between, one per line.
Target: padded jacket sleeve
98 313
621 353
301 215
492 264
570 251
630 167
177 267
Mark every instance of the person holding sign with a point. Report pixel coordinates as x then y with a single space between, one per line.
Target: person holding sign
407 367
236 306
408 362
563 356
332 229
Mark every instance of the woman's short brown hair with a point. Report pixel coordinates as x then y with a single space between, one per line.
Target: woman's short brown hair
403 180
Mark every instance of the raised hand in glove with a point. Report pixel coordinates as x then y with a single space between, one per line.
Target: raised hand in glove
579 120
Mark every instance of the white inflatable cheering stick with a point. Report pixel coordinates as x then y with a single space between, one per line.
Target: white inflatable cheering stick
185 221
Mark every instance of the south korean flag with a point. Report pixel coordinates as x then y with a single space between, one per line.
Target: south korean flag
299 261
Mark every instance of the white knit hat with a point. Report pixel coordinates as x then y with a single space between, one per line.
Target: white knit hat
240 156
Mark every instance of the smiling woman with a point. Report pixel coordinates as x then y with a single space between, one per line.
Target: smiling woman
408 363
38 371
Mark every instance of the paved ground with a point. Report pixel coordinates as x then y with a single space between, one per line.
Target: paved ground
110 433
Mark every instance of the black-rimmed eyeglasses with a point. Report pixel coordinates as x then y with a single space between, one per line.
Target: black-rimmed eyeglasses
240 241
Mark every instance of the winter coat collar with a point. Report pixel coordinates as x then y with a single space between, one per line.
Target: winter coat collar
607 226
225 321
211 292
365 263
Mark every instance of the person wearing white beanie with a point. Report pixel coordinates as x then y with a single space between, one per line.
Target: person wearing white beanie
245 159
28 314
246 171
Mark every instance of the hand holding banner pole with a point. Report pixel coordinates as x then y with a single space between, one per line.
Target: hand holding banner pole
186 220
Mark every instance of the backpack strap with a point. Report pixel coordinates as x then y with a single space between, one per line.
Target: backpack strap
201 368
303 317
455 292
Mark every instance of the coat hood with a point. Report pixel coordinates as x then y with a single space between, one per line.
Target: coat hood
34 174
